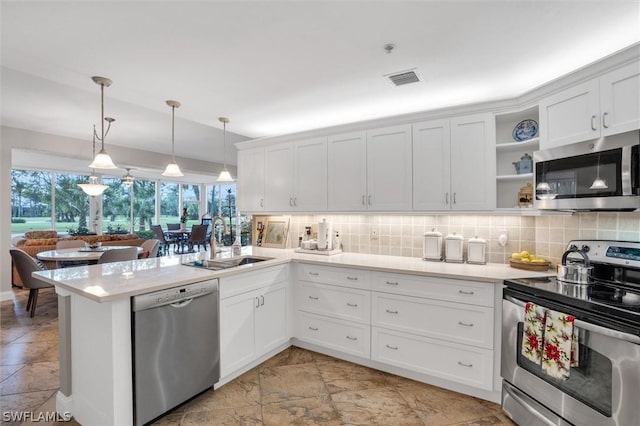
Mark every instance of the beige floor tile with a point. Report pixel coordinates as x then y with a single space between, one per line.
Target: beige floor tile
342 375
43 332
250 415
242 391
10 333
8 370
28 353
34 377
374 407
308 411
291 382
290 356
19 402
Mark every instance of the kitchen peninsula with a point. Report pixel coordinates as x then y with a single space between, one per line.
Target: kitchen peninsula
95 319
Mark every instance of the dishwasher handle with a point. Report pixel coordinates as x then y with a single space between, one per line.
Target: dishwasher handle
175 297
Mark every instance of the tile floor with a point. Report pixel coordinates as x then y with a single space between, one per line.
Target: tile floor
295 387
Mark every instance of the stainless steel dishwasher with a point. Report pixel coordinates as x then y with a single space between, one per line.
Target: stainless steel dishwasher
176 347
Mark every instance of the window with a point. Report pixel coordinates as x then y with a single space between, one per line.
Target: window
71 204
116 206
191 202
221 200
144 204
30 201
169 203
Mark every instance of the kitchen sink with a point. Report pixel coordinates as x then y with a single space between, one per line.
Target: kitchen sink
233 262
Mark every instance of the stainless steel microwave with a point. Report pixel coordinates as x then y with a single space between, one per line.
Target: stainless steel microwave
602 174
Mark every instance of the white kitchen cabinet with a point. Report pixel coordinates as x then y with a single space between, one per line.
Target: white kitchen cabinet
344 336
296 176
339 302
600 107
251 180
371 170
453 163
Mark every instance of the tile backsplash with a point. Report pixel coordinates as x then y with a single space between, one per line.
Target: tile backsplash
546 236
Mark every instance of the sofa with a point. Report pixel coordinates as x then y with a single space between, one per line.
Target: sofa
34 242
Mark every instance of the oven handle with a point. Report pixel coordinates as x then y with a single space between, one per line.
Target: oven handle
591 327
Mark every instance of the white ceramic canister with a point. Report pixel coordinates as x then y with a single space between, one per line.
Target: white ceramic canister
325 236
476 250
432 245
453 248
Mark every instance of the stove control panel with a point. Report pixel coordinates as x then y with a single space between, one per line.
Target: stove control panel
624 253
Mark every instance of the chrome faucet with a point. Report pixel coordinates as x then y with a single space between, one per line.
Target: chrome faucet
213 234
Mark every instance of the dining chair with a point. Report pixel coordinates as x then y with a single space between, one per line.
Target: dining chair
159 235
173 226
151 247
119 255
25 265
64 244
198 236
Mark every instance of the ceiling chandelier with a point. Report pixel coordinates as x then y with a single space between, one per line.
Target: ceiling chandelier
225 176
102 160
93 188
128 179
173 170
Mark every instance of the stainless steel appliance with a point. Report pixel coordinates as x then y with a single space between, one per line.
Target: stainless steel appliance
602 174
176 349
603 389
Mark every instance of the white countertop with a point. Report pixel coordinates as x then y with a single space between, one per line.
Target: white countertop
111 281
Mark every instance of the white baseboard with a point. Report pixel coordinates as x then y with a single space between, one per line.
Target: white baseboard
6 295
64 403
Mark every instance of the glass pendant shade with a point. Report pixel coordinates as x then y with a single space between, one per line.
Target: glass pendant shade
102 161
225 176
598 183
543 186
93 188
172 170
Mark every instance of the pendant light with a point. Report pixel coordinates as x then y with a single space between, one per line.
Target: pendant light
598 183
225 176
173 170
127 179
102 160
93 188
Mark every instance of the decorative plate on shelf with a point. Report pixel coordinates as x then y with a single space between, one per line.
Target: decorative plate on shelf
525 130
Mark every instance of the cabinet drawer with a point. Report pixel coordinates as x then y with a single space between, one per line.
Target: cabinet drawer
339 302
473 292
247 281
457 322
458 363
343 336
347 277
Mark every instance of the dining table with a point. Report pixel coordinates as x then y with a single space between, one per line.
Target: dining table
84 254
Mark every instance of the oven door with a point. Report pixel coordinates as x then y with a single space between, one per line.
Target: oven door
603 390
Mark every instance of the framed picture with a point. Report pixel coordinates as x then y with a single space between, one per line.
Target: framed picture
275 233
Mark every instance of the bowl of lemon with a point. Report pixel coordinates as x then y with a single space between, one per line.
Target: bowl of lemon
528 261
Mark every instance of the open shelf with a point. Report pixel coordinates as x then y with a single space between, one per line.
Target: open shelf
522 177
531 144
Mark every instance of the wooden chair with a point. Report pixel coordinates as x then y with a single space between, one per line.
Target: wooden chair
151 247
165 242
25 265
198 236
119 255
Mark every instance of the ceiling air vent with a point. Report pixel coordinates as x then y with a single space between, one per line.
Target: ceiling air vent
404 77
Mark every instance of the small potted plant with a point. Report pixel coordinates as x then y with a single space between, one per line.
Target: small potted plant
183 219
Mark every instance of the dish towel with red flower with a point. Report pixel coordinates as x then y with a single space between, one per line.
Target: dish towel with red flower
550 339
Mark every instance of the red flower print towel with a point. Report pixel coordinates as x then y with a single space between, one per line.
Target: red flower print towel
534 317
558 338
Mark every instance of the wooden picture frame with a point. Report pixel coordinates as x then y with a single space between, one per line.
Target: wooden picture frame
275 233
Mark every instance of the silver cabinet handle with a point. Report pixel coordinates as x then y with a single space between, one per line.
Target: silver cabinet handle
392 283
593 122
363 199
369 199
465 365
454 198
465 292
446 198
313 328
466 324
290 202
261 202
257 302
391 312
295 201
313 298
352 338
352 278
604 120
353 305
395 348
262 300
315 274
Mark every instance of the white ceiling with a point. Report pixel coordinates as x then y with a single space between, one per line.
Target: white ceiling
281 67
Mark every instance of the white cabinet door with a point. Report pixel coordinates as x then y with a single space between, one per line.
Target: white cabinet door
620 100
237 332
389 168
431 165
310 175
271 318
278 194
570 116
347 172
251 180
472 163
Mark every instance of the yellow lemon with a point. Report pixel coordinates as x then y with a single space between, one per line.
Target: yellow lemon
525 259
524 253
516 256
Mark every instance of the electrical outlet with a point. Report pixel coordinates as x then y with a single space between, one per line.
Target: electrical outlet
374 232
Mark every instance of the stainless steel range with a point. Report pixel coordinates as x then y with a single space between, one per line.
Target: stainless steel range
603 387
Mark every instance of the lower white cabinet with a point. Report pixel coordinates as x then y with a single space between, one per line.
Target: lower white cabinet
339 302
252 324
344 336
463 364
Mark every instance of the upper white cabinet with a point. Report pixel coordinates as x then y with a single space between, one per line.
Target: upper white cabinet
599 107
295 176
251 180
370 170
453 164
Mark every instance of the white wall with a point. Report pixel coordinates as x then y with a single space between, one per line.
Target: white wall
5 218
